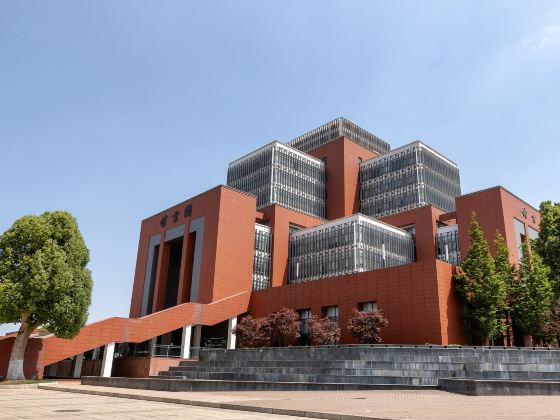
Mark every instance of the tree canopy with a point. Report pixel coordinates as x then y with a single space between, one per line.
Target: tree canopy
548 242
533 309
507 273
480 288
43 278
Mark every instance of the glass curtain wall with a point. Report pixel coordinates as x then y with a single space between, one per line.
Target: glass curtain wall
409 177
447 245
349 245
278 174
335 129
262 257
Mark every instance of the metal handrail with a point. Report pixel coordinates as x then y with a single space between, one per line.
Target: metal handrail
165 350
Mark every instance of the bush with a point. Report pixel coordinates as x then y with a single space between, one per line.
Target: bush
284 326
322 331
252 332
366 326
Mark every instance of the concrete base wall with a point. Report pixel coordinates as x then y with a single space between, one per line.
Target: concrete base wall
142 367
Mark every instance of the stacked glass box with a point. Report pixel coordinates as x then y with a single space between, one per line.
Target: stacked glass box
335 129
279 174
408 177
344 246
261 259
447 244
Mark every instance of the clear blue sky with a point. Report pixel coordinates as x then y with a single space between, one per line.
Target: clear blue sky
114 110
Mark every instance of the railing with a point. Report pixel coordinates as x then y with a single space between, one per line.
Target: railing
166 350
169 350
404 346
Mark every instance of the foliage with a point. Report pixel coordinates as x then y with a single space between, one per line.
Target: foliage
252 332
322 331
366 326
477 284
553 327
548 243
507 273
43 279
284 326
533 310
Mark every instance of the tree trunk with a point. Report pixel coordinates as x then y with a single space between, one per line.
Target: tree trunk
528 340
510 330
15 368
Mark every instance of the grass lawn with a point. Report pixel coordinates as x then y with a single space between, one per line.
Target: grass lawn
23 382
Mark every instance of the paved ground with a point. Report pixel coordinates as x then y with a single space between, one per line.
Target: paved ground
35 404
43 404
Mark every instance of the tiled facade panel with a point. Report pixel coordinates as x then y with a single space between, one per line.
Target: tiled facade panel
495 209
342 157
228 224
415 298
234 249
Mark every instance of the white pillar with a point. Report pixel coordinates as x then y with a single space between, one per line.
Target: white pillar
186 342
107 365
78 365
232 322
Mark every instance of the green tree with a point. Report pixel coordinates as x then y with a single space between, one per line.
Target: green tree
507 274
43 280
533 309
548 242
480 288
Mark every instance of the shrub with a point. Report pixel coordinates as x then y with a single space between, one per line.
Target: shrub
252 332
366 326
322 331
284 326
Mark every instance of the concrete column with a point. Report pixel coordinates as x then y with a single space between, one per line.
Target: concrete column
232 322
186 342
107 364
153 343
78 365
197 336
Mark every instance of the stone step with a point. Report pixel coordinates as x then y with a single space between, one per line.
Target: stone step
176 385
441 371
360 352
364 378
415 378
324 367
499 387
392 358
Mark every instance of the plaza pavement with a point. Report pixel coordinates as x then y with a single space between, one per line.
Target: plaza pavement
95 403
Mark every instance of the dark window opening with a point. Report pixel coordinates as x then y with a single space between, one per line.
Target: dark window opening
153 280
173 270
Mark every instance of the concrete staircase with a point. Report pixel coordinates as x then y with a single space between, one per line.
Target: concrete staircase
351 368
420 366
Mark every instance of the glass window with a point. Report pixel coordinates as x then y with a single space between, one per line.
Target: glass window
331 312
367 306
519 235
533 233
